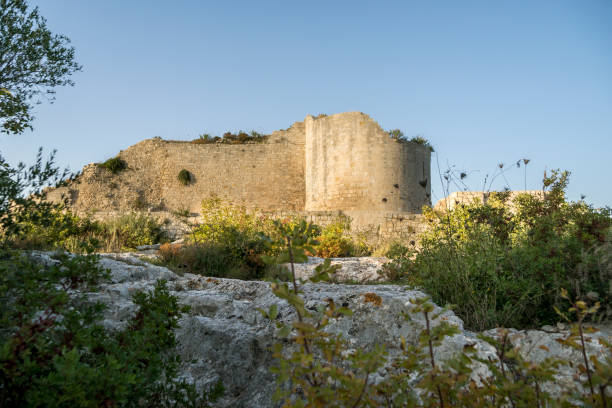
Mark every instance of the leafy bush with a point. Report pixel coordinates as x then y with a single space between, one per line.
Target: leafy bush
184 177
55 352
335 241
29 221
23 194
114 165
504 263
229 242
316 368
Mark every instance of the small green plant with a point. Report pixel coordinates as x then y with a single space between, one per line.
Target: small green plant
334 241
421 141
228 242
185 177
398 136
181 213
114 165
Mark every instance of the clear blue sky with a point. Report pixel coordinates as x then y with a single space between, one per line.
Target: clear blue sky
485 82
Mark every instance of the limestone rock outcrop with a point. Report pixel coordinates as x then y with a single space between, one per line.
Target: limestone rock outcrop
224 336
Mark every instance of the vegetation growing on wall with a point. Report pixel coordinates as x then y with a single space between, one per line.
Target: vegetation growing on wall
114 165
398 136
232 138
184 177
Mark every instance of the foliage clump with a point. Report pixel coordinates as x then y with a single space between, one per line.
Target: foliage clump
53 347
184 177
230 241
240 137
114 165
398 136
33 62
58 228
316 367
503 263
334 241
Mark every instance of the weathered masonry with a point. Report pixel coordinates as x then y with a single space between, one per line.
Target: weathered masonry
339 163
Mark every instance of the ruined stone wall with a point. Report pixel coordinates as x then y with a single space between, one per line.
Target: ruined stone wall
266 175
352 164
318 168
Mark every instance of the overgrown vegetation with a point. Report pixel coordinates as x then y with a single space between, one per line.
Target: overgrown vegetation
335 241
184 177
503 263
114 165
232 138
232 242
398 136
321 369
54 350
58 228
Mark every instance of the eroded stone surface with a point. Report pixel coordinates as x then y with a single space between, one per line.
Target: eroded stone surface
357 269
224 337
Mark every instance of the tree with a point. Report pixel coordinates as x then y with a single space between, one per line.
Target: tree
33 62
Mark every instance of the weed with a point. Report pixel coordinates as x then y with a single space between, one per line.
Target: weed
114 165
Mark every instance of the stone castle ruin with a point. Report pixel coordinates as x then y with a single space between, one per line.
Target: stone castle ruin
319 168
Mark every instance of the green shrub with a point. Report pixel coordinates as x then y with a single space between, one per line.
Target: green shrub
504 263
398 136
210 259
184 177
335 241
229 242
54 350
52 229
114 165
317 368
